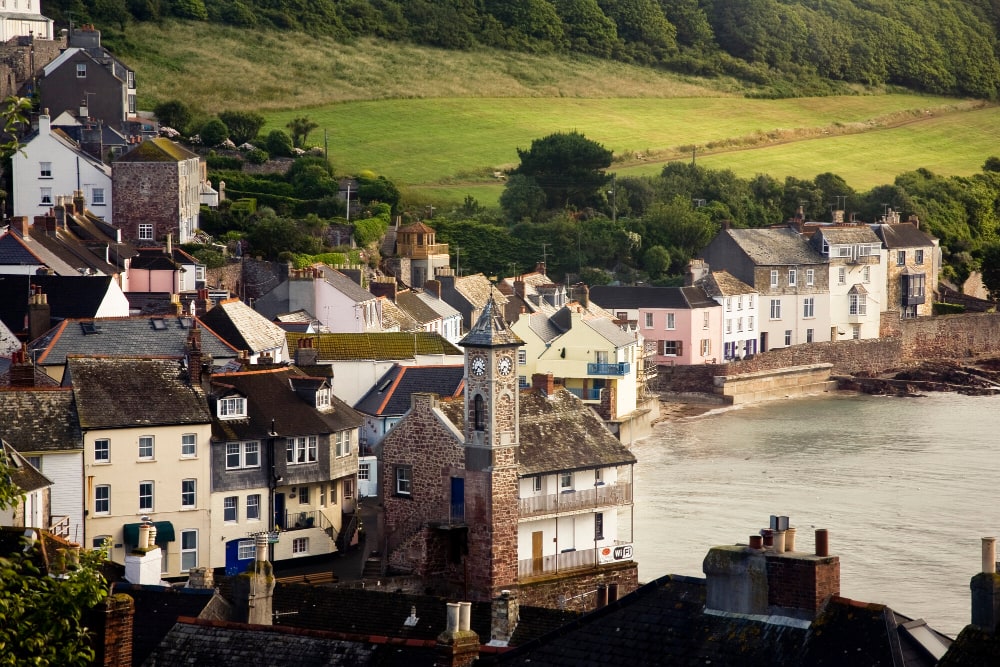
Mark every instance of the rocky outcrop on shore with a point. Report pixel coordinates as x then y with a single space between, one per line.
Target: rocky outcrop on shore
971 378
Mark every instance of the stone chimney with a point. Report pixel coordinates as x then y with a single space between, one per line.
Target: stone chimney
39 313
384 287
458 645
505 616
543 382
201 577
697 269
582 294
142 564
433 287
765 578
306 354
22 372
253 590
540 268
519 289
986 590
202 304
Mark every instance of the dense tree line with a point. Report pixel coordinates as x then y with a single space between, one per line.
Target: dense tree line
788 47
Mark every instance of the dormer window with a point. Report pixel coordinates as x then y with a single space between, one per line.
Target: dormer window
322 398
232 408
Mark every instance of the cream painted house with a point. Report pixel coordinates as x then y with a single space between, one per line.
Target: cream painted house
146 434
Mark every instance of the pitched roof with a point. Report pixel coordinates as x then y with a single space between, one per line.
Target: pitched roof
158 149
723 283
13 251
543 327
558 432
846 235
615 297
271 396
20 473
771 247
243 327
67 296
391 394
395 317
442 308
385 346
903 235
477 290
122 392
344 284
40 420
611 332
415 307
153 336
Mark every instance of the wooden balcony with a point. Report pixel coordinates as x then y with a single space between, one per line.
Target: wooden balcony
421 251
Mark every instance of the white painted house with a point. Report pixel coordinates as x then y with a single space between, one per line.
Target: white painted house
23 18
51 164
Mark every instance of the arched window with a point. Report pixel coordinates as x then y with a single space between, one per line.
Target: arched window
479 413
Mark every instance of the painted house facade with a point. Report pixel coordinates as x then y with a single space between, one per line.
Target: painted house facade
913 262
857 281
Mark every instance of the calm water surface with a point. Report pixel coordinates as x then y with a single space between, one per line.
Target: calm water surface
906 487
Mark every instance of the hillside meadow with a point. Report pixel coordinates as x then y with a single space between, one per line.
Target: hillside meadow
441 123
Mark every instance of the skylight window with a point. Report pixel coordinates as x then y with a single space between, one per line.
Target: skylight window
159 324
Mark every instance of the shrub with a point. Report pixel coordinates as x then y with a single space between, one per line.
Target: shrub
243 125
173 113
214 132
223 162
278 143
257 156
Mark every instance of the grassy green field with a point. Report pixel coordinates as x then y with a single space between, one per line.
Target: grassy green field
440 123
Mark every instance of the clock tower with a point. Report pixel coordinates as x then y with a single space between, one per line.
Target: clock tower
491 451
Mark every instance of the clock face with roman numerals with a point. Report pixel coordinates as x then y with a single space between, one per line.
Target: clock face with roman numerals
505 365
478 365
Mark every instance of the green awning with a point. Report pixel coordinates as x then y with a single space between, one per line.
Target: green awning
164 532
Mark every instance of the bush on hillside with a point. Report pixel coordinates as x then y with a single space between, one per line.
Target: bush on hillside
278 143
214 132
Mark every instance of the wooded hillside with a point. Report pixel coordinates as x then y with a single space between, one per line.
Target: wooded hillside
786 47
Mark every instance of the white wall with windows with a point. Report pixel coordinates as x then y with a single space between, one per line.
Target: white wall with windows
50 166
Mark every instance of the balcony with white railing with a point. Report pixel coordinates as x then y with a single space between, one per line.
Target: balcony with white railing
610 495
576 559
617 369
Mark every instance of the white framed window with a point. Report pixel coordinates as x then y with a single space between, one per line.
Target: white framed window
322 495
918 257
859 304
522 358
146 496
856 331
670 348
808 307
131 103
348 489
750 301
303 495
810 277
536 483
242 455
232 408
189 549
729 326
130 79
145 232
102 450
189 445
300 546
364 471
97 196
404 480
750 324
792 277
774 278
739 302
775 309
145 448
739 324
45 170
301 450
323 398
788 337
45 195
189 494
246 550
81 70
102 499
230 509
704 323
809 335
566 481
900 258
706 347
598 477
866 274
253 507
671 321
522 381
729 303
841 276
343 439
649 322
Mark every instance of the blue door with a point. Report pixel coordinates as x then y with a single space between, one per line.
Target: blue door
233 563
458 499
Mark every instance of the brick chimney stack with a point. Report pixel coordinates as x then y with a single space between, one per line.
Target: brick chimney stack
306 354
384 287
22 372
433 287
543 382
39 313
458 645
21 225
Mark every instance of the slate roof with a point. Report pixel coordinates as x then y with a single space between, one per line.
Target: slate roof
157 609
846 235
14 252
125 336
345 285
243 327
385 346
723 283
415 307
219 643
441 307
665 623
558 433
477 290
40 420
69 250
20 473
775 247
122 392
611 332
543 327
616 297
67 296
395 317
490 329
270 396
903 235
391 394
158 149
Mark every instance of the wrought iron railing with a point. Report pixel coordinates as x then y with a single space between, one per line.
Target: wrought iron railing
567 501
620 368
